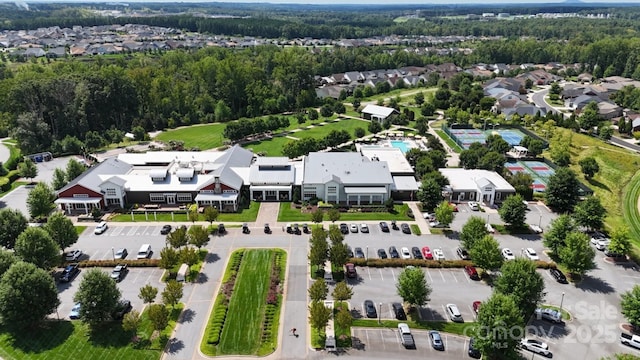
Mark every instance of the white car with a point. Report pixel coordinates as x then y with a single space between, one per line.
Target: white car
489 228
535 228
535 346
596 236
405 253
364 228
531 254
73 255
507 254
353 228
438 254
474 205
429 216
102 227
602 244
548 314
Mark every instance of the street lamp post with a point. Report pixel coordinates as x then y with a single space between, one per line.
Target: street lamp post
367 253
113 252
379 312
561 301
540 221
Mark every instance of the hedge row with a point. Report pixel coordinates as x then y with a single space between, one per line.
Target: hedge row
6 181
111 263
378 263
217 321
270 312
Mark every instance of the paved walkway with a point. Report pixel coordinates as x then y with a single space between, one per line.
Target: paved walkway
268 214
417 216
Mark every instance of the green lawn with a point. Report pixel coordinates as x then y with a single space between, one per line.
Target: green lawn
146 327
80 229
242 331
452 144
290 214
205 137
194 270
73 340
271 147
320 131
246 215
630 206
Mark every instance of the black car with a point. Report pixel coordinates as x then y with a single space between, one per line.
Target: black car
267 229
394 226
384 227
344 228
70 272
349 251
119 272
165 229
359 253
393 253
611 254
473 352
558 275
405 228
416 252
221 229
305 228
398 310
464 254
296 229
382 254
245 228
123 307
370 309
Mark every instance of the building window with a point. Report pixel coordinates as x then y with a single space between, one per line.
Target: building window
206 191
229 191
113 202
156 197
80 195
111 192
309 194
332 189
184 197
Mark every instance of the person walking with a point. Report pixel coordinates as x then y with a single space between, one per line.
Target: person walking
293 331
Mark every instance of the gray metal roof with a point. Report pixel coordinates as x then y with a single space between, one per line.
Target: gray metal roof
185 173
236 156
91 179
345 168
262 174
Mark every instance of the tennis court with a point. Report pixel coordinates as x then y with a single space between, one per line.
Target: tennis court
466 137
511 136
538 170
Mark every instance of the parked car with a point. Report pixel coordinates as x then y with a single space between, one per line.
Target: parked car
438 254
296 229
507 254
221 229
474 206
393 253
349 251
611 254
551 315
123 307
454 313
267 229
353 228
75 312
489 228
101 228
364 228
398 311
473 352
350 269
404 252
531 254
535 346
305 228
602 244
384 227
472 272
73 255
463 254
535 228
454 207
436 340
382 254
476 306
70 272
370 309
597 236
415 251
436 224
166 229
558 275
121 254
344 229
359 253
405 228
119 272
245 228
429 216
426 253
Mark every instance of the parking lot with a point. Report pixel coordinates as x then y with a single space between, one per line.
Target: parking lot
378 342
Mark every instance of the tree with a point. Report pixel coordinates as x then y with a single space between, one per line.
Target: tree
486 253
630 305
339 254
98 296
159 316
522 181
343 318
473 230
27 169
317 216
430 194
555 237
74 169
513 211
412 286
318 290
40 201
589 167
7 258
148 294
169 258
12 224
178 237
576 254
590 213
59 179
333 215
131 321
189 256
210 214
605 132
620 241
313 114
35 246
319 315
419 98
139 134
319 248
562 190
444 213
198 236
172 293
342 292
498 320
374 127
27 295
192 213
359 132
61 230
523 283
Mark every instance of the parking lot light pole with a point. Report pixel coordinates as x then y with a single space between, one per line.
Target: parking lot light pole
379 312
367 253
113 252
540 222
561 301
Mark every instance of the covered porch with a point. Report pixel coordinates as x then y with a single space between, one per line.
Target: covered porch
226 202
78 205
270 193
366 195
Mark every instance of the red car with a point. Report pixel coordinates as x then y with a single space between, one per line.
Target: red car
476 306
426 253
454 207
472 272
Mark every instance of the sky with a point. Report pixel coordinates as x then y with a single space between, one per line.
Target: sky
363 2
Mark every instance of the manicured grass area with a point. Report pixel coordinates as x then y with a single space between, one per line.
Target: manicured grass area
290 214
246 215
205 137
317 338
444 326
320 131
415 229
74 340
565 315
80 229
242 330
447 139
271 147
14 185
630 207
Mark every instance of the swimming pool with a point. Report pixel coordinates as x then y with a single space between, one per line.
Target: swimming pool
402 145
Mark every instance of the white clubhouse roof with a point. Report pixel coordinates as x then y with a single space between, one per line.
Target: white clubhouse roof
471 179
394 158
377 110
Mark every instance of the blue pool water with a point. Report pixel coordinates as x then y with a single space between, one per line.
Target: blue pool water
403 146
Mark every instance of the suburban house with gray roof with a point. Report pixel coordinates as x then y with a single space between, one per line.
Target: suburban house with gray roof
346 178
